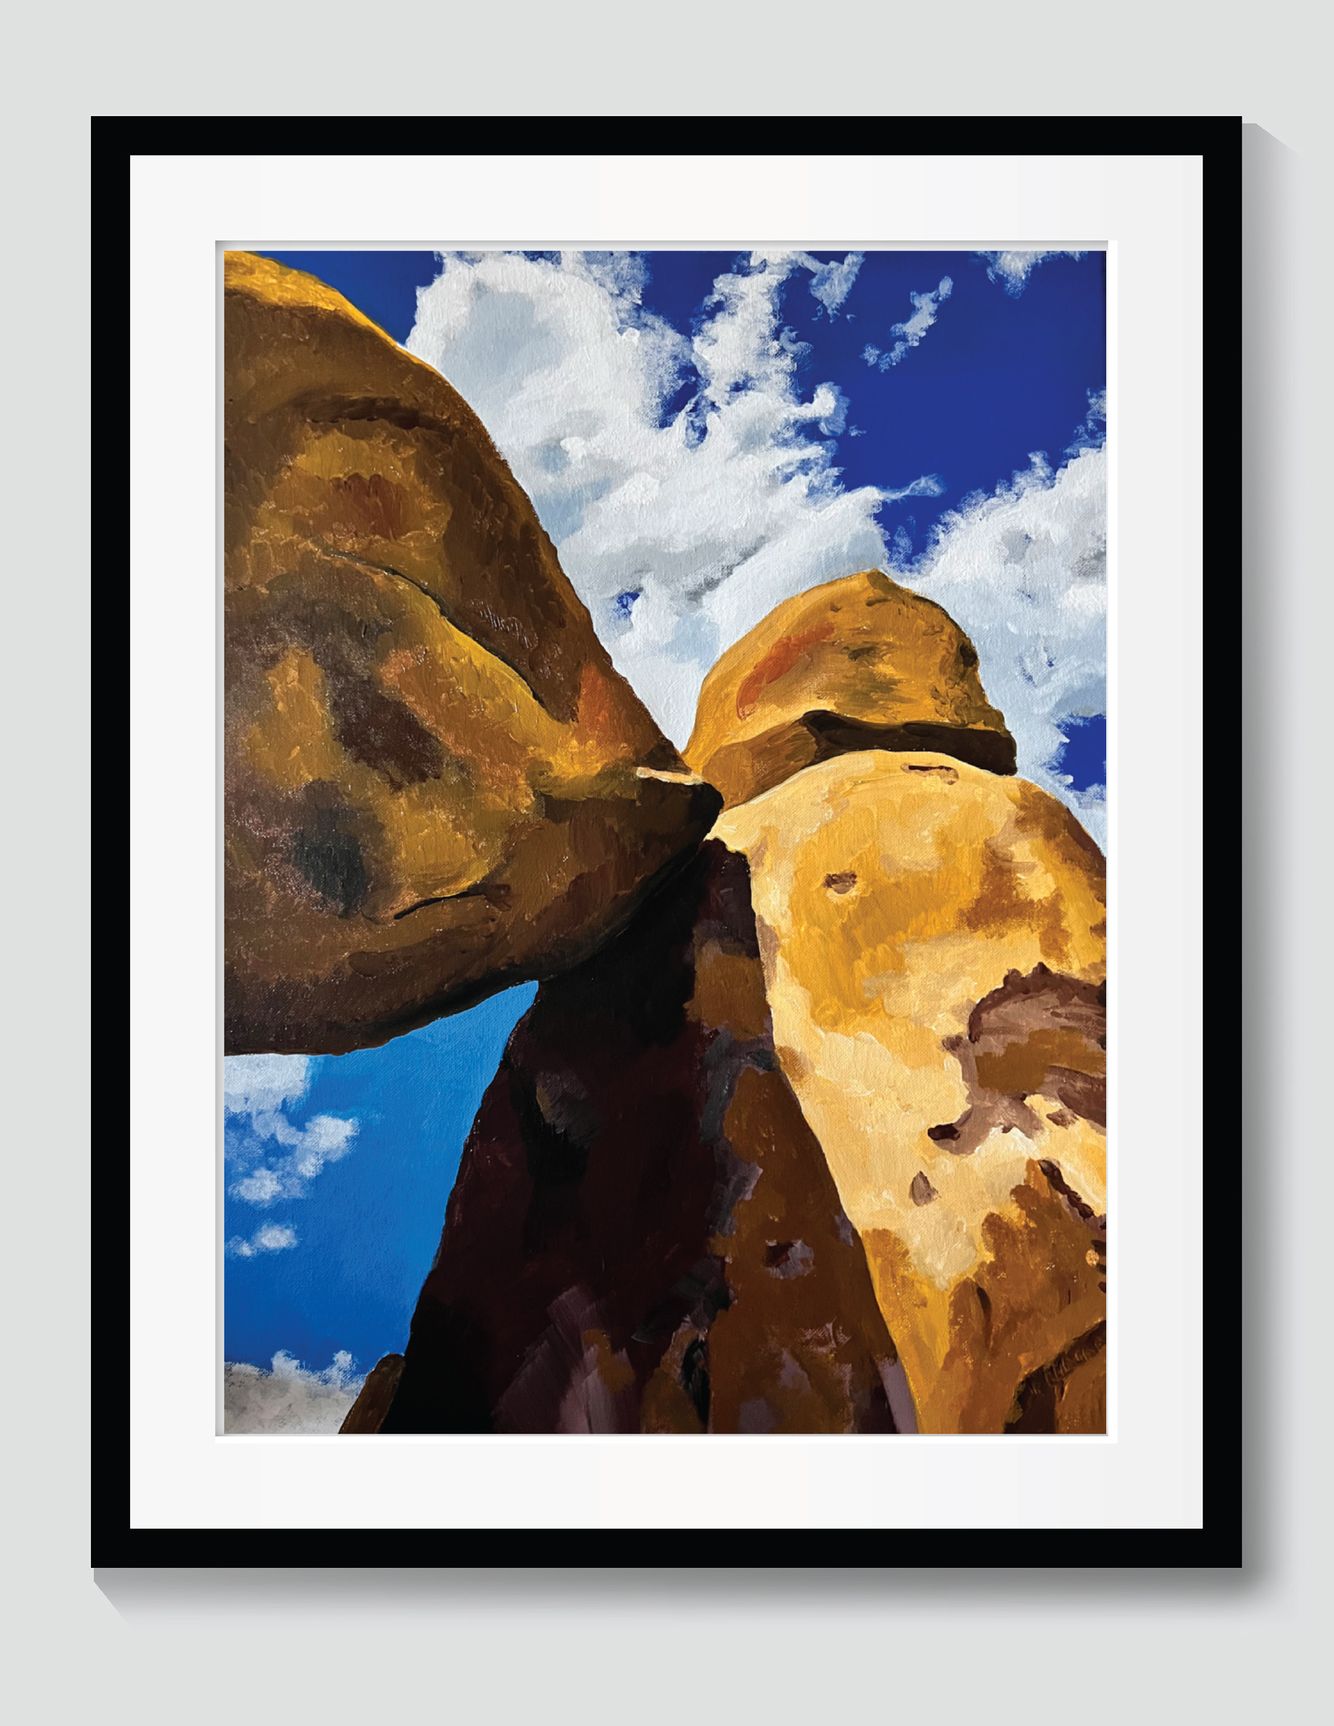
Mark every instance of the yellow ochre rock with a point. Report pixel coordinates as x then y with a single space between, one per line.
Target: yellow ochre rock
855 664
934 949
435 781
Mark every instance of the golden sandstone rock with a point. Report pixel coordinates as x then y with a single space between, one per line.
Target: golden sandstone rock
858 663
436 783
934 939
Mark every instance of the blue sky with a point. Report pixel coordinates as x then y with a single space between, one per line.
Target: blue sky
790 417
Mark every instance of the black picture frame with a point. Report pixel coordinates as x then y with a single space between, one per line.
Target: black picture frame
1218 1543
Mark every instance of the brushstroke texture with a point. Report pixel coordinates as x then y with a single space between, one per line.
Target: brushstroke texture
858 663
436 783
644 1235
804 1131
934 940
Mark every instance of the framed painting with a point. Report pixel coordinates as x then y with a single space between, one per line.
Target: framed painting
701 1025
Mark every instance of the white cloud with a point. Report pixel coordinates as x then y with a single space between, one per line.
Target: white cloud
259 1084
1091 433
678 536
270 1238
1024 572
832 283
289 1397
258 1093
261 1187
929 485
912 331
1012 269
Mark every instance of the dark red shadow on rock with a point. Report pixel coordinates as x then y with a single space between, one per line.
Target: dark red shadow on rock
644 1234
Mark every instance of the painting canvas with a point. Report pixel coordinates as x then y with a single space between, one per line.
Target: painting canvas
664 819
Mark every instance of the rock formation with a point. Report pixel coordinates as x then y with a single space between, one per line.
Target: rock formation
858 663
934 940
436 784
817 1143
644 1234
805 1129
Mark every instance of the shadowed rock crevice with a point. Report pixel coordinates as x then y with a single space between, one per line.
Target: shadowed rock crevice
1039 1404
768 759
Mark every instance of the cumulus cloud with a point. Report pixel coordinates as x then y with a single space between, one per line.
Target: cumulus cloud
1091 432
679 529
912 331
261 1084
275 1156
1012 269
270 1238
1024 571
288 1397
682 525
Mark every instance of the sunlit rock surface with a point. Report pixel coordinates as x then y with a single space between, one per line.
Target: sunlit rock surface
934 952
858 663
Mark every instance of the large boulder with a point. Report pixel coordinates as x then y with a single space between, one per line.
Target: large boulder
858 663
934 943
644 1235
436 783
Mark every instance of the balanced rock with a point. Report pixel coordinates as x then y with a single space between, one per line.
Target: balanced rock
859 663
644 1235
934 941
436 783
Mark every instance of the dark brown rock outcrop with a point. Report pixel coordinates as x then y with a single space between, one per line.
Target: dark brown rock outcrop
644 1235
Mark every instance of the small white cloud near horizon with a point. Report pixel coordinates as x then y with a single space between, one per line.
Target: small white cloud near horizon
269 1238
288 1397
258 1092
912 331
1012 269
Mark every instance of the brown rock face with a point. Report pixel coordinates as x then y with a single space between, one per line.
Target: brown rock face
645 1235
859 663
368 1411
436 783
934 954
